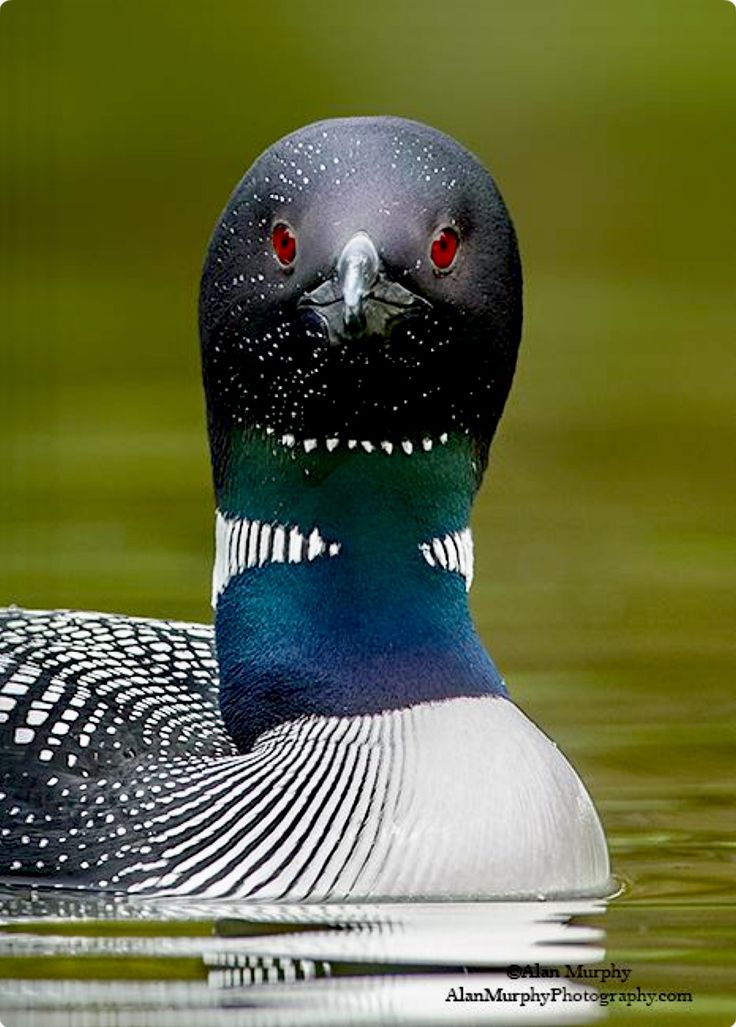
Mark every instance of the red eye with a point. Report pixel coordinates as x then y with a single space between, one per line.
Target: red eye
444 248
284 243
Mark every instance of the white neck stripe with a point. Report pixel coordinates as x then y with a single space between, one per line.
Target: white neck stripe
241 544
453 552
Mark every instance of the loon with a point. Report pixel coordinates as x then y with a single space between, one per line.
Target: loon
343 734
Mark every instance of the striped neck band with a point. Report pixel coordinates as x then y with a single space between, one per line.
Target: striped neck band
242 545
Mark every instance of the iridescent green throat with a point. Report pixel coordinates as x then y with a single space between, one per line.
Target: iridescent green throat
359 495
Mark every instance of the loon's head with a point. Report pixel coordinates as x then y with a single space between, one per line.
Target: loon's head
362 283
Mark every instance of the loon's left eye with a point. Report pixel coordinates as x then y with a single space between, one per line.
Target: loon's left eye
283 241
443 251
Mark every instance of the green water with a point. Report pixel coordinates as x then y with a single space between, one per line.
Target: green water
604 533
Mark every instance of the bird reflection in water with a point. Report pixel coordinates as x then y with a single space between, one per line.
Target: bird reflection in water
237 963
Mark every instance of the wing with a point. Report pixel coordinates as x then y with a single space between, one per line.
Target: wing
88 696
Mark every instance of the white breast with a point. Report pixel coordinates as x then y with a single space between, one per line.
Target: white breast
488 807
462 798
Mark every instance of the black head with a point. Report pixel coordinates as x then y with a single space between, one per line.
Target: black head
363 281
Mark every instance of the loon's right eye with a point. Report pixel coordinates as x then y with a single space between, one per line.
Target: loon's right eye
443 251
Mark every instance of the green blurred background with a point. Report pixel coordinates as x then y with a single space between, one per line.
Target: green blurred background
604 533
605 529
611 129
